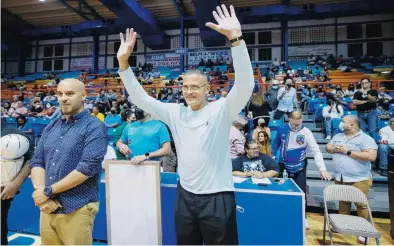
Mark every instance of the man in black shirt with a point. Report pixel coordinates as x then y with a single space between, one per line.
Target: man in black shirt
10 189
254 164
365 99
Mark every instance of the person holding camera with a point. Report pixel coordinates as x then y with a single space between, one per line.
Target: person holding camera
287 97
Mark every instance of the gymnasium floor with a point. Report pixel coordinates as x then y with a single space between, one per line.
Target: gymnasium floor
314 235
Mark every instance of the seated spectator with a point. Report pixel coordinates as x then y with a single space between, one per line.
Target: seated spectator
237 139
338 92
350 90
383 94
96 113
23 125
386 145
211 96
48 110
331 111
5 109
111 95
264 142
20 110
320 93
275 62
261 127
50 97
307 93
254 163
36 109
112 120
15 100
88 104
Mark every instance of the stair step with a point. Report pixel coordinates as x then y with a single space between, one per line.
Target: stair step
325 156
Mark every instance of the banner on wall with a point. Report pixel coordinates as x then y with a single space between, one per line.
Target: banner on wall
163 60
312 49
78 64
195 57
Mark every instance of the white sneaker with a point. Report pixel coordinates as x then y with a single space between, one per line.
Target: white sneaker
361 240
328 137
307 227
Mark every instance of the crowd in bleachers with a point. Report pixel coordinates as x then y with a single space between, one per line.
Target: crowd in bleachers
327 101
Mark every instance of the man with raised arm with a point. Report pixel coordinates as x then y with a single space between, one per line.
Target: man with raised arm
205 210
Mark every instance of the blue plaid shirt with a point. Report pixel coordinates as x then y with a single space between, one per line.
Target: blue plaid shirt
77 144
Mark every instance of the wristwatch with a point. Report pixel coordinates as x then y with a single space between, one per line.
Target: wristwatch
48 191
349 152
147 156
234 40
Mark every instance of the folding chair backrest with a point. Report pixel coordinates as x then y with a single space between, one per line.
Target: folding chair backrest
344 193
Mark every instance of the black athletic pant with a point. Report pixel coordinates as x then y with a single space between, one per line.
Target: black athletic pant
205 219
279 114
5 207
299 178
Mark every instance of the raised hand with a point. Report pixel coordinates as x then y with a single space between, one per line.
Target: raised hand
126 45
228 23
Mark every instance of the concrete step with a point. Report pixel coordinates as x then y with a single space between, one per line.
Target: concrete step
319 135
325 156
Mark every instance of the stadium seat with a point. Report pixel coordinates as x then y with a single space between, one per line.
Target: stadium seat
350 113
318 112
335 123
11 120
383 123
275 124
311 104
391 107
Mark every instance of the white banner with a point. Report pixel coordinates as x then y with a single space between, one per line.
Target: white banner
321 50
163 60
195 57
85 63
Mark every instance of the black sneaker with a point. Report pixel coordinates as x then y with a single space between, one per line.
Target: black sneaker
383 172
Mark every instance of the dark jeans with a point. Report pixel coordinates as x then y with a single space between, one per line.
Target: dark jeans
5 207
205 219
279 114
299 178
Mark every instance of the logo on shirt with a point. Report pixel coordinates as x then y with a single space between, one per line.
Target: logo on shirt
300 139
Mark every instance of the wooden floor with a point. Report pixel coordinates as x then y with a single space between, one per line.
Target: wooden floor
314 236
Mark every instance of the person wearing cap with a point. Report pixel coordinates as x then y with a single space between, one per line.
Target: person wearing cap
237 139
287 98
271 96
261 127
386 146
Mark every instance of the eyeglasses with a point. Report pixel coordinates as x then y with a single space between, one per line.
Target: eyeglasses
192 88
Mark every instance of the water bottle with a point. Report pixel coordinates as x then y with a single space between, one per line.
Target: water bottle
285 175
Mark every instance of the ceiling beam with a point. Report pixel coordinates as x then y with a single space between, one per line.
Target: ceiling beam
83 5
180 7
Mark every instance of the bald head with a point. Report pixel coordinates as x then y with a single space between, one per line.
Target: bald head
73 84
71 94
352 119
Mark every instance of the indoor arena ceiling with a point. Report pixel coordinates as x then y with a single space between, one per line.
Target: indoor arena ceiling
69 12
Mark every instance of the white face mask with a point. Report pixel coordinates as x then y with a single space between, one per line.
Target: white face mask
275 87
341 126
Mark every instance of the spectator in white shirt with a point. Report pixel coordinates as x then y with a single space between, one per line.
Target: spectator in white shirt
350 90
287 97
386 146
383 94
331 111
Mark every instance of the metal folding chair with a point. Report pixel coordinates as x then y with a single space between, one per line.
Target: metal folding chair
347 224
